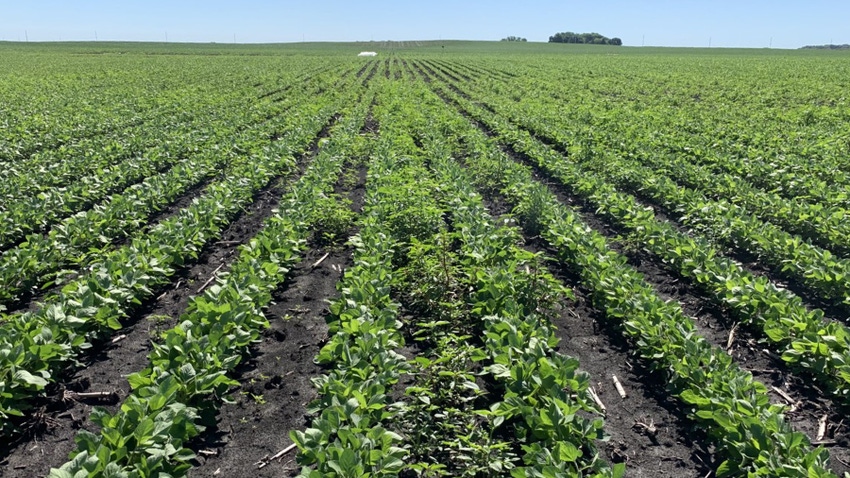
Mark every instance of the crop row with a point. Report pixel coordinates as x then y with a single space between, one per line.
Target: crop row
89 233
735 216
41 112
56 167
345 437
816 173
37 211
483 287
822 224
54 101
545 395
41 344
750 434
188 370
803 338
83 236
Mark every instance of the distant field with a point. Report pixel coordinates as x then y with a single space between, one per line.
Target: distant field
453 259
423 47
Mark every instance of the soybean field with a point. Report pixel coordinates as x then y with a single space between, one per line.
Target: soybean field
453 259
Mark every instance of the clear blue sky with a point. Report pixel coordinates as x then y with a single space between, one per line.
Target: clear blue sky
740 23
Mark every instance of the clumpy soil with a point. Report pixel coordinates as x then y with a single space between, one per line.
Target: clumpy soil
275 384
645 430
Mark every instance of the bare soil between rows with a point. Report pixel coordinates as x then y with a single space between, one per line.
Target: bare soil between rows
646 430
276 385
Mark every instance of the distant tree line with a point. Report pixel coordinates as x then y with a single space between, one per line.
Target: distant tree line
588 38
513 38
827 47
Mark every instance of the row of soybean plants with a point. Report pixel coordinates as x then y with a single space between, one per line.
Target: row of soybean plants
661 111
53 102
197 92
822 224
751 138
696 130
189 370
46 105
38 345
200 89
804 338
724 215
41 195
799 134
433 267
81 238
541 393
83 155
750 435
754 219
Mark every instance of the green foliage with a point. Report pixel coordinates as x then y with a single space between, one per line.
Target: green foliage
750 161
804 338
408 208
187 373
426 238
445 435
585 38
333 220
347 437
50 338
748 430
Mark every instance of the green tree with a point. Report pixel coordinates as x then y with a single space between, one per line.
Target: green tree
587 38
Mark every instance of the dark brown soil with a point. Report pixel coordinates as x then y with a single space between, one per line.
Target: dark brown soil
397 67
647 430
408 68
276 386
276 383
361 71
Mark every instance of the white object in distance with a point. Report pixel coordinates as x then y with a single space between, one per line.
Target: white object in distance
367 53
